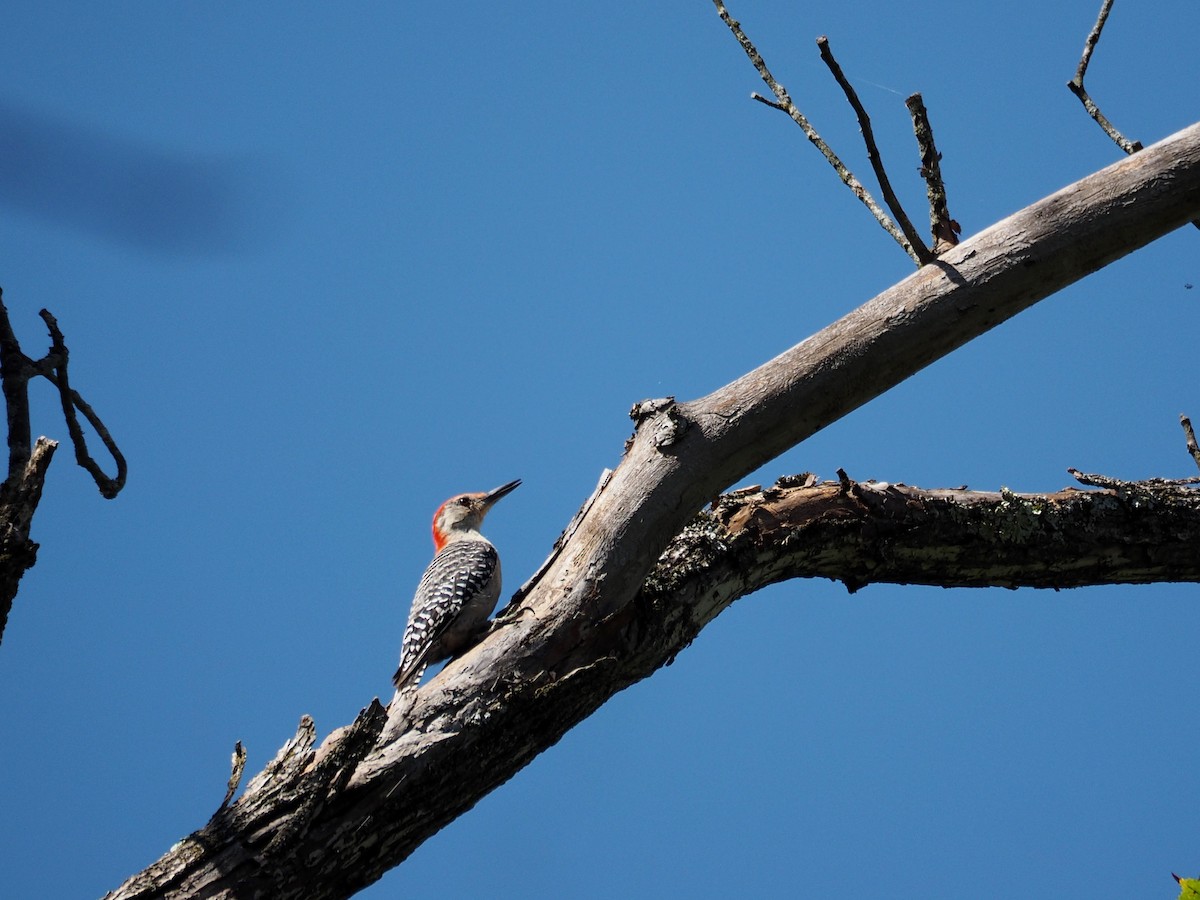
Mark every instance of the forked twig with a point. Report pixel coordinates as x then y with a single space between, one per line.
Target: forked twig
71 400
1077 88
784 102
923 253
16 369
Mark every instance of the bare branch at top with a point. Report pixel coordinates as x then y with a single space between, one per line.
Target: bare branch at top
945 230
784 102
923 253
1077 88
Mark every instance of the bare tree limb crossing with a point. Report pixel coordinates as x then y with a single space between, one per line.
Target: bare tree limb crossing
324 823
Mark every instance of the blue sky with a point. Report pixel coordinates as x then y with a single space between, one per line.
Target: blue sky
321 266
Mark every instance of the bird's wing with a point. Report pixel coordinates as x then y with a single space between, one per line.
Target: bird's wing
457 573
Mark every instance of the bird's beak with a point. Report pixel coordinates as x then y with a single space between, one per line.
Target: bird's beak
496 493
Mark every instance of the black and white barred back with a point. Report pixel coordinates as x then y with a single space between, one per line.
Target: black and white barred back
452 603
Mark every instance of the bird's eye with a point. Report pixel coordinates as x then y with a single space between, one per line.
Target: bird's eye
464 501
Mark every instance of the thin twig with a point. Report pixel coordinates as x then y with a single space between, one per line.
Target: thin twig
786 105
1105 481
1094 480
1077 88
1118 484
774 104
1192 446
71 400
1093 38
945 230
864 123
15 371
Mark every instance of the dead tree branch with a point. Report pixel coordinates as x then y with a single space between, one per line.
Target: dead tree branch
1157 484
784 102
312 826
1077 88
22 488
922 252
54 368
16 369
19 497
619 598
893 533
944 229
1192 446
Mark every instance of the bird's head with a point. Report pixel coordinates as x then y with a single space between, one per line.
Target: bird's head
463 515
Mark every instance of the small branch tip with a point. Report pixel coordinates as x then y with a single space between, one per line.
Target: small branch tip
237 765
785 103
944 228
1076 84
909 239
1193 447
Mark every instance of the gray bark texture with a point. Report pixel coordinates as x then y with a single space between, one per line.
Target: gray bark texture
642 569
19 497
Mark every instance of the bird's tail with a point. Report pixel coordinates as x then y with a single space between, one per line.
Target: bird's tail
401 705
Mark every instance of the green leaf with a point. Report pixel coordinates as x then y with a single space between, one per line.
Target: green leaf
1189 888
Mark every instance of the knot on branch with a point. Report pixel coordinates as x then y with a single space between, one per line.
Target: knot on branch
666 420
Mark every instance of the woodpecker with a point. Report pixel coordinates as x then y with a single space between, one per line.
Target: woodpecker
458 591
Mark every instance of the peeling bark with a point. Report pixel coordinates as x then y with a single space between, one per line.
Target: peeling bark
874 532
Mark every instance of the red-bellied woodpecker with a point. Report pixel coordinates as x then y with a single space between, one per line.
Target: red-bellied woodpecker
458 591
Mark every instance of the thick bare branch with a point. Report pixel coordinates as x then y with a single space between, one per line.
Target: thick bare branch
858 533
784 103
592 623
876 532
